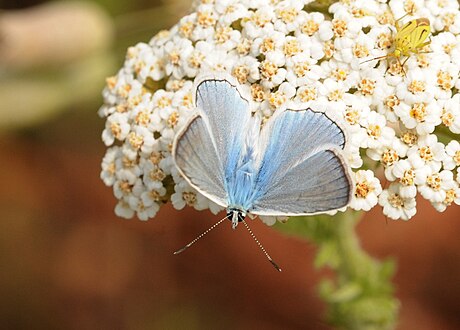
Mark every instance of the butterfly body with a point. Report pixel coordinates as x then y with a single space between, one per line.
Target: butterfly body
291 165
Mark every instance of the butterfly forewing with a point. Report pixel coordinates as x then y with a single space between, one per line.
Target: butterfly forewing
228 117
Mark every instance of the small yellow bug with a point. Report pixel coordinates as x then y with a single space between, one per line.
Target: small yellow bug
410 39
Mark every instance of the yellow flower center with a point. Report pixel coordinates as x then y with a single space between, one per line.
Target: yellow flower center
116 130
409 138
142 118
157 174
301 69
257 92
366 86
374 131
135 140
352 116
339 74
426 154
434 182
277 99
395 200
310 27
451 195
164 102
416 86
308 94
328 49
339 27
363 189
189 198
391 102
408 177
457 158
288 15
291 47
447 118
205 19
389 157
444 80
241 73
268 69
186 29
173 119
360 51
156 157
244 47
418 112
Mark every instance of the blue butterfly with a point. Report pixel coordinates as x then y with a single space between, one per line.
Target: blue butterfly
292 165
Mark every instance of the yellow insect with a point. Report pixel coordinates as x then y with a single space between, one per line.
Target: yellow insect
410 38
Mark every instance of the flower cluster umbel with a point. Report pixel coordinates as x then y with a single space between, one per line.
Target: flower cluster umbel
402 124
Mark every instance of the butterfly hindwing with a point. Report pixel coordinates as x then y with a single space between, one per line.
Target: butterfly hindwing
318 184
195 155
301 170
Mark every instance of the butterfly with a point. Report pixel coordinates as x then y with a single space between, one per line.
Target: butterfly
292 165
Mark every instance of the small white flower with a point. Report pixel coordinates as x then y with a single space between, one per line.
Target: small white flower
417 86
123 210
427 152
229 11
366 191
378 133
108 173
116 127
177 52
435 185
451 113
389 155
258 19
289 16
396 206
452 196
452 159
407 175
186 195
424 117
149 63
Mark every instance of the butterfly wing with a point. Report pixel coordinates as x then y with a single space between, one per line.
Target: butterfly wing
207 150
301 171
228 117
196 158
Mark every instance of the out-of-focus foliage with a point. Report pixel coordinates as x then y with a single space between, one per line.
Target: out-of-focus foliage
57 54
361 295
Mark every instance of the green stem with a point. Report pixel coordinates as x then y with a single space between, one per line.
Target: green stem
360 296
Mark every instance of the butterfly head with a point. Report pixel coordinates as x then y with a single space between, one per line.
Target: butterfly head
235 216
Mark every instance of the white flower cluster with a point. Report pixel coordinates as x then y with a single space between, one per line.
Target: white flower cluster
403 122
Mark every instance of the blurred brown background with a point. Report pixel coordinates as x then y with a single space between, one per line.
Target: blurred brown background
66 260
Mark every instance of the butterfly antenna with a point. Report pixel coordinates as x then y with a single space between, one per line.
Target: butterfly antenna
261 247
200 236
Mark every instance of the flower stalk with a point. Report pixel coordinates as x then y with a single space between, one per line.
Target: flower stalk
360 296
